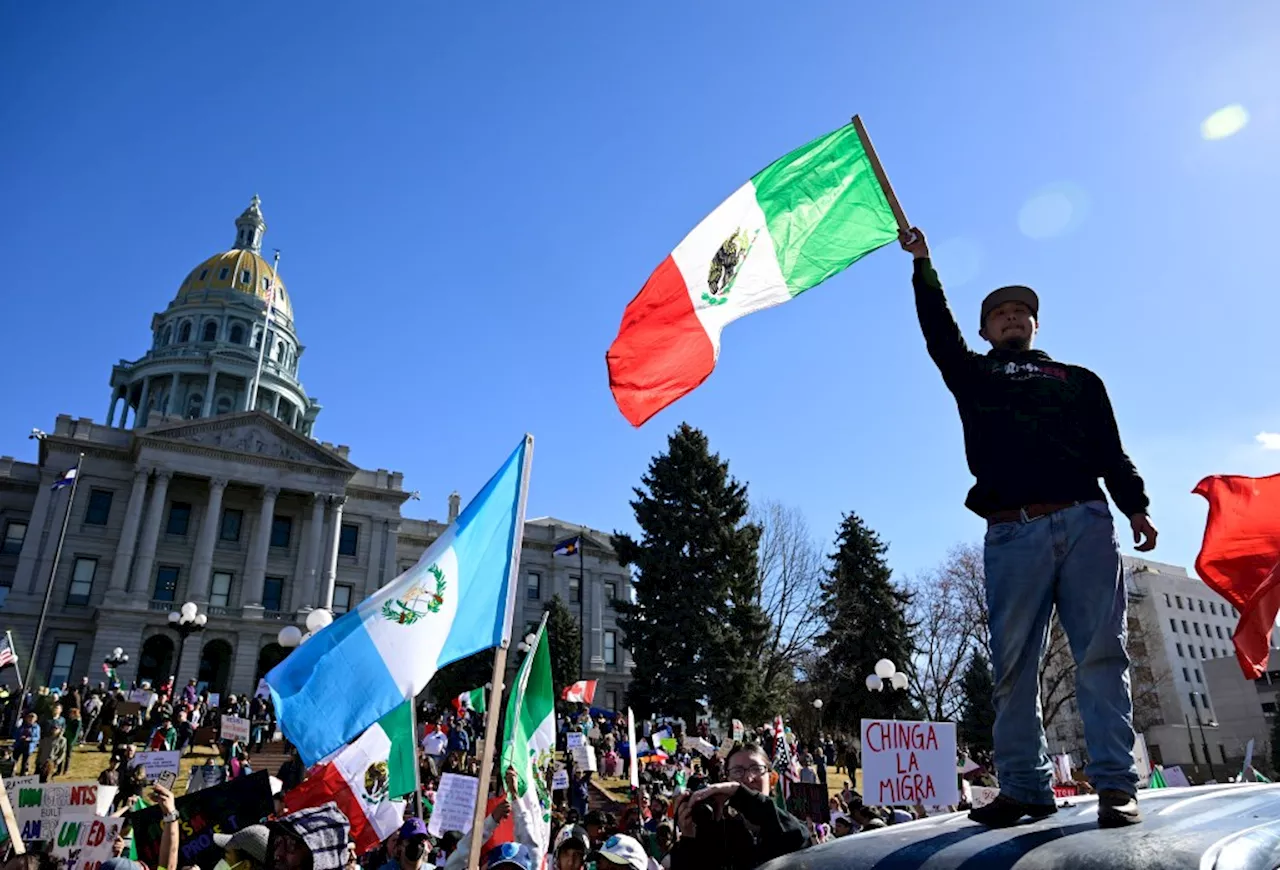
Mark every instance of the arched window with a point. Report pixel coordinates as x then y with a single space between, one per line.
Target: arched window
167 336
237 334
224 405
194 403
279 351
210 331
184 332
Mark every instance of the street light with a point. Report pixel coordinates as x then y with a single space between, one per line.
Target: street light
186 621
527 644
817 705
887 674
114 660
291 636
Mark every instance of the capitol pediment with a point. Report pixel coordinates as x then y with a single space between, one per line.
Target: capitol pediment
251 433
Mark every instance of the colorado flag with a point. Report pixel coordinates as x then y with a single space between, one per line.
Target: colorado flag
456 601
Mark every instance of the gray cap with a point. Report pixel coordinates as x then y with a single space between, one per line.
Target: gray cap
1011 293
252 841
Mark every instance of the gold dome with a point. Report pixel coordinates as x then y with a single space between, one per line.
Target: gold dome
238 269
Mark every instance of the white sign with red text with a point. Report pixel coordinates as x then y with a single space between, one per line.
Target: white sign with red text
908 763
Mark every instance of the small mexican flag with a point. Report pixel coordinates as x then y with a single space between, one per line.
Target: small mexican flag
796 223
529 738
473 700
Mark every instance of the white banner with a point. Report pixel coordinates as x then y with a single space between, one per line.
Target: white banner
705 748
584 757
455 805
235 728
84 842
37 808
909 763
632 749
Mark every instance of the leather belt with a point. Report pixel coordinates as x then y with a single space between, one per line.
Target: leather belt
1027 513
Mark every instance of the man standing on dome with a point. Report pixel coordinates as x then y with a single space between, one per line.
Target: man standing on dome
1038 435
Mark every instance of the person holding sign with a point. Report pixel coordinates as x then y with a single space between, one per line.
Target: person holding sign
1038 436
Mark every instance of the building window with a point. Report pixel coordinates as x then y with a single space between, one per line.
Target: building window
266 283
179 518
223 273
82 581
1196 626
246 277
1235 613
1173 623
272 593
1198 680
1179 649
610 647
341 597
1213 608
348 539
575 590
1167 601
184 333
1191 651
64 656
204 273
1268 707
220 589
281 529
237 334
99 507
1202 652
1192 695
1201 602
1219 629
1230 634
279 351
611 698
1185 675
610 592
210 332
167 336
166 584
1179 599
533 589
14 534
1185 630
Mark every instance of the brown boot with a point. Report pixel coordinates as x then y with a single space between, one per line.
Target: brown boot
1003 812
1116 808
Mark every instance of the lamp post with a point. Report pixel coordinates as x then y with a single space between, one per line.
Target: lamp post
291 637
186 621
887 674
817 705
1204 744
113 661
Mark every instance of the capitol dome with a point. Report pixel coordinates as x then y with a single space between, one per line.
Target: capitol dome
242 268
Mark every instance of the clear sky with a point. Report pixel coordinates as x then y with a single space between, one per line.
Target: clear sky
467 195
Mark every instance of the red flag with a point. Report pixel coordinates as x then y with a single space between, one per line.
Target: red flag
583 691
504 833
1240 558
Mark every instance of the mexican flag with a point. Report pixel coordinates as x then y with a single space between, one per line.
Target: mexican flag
473 700
363 777
529 738
797 222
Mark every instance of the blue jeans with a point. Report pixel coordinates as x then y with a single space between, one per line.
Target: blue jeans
1068 560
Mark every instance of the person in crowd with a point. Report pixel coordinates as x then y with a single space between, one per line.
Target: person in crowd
110 776
311 839
735 824
292 771
511 856
52 755
165 737
435 745
74 726
841 825
411 846
184 732
621 851
597 826
25 741
189 693
246 849
807 773
571 847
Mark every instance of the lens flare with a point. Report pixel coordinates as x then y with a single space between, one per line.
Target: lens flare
1227 121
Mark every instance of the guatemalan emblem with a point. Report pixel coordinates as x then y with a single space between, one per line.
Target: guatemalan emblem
725 265
418 601
377 782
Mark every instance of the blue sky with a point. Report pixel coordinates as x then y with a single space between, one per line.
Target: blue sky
466 197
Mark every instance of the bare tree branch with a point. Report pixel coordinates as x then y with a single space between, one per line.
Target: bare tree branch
949 615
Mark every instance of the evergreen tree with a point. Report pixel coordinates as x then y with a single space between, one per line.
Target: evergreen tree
694 628
565 637
866 622
977 708
461 676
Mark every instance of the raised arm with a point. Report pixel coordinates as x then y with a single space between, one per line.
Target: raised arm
942 334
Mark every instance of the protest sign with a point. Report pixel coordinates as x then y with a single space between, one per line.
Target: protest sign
705 748
142 698
156 763
560 780
808 802
455 805
223 809
84 842
738 731
214 700
206 775
576 739
668 745
235 728
1142 760
726 746
128 708
584 757
1175 778
909 762
37 808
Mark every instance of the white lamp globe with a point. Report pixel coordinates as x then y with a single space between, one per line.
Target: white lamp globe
817 703
188 611
174 616
530 639
884 669
873 683
899 680
318 619
289 636
201 619
116 653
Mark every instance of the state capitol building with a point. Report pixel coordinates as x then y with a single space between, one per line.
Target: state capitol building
187 493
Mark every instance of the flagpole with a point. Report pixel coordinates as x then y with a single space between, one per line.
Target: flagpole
582 597
500 665
53 574
898 214
22 689
417 763
262 345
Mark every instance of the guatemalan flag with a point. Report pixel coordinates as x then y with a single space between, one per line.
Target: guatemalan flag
456 601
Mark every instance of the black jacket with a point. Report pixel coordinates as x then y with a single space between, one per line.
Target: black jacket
1035 431
729 844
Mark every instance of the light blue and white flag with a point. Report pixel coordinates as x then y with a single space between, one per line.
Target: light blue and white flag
456 601
68 477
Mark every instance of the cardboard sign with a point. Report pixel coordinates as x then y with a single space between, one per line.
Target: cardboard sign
156 763
576 739
560 780
235 728
214 700
909 763
142 697
808 801
1175 778
84 842
585 757
726 747
128 708
223 809
705 748
204 776
738 731
455 804
37 808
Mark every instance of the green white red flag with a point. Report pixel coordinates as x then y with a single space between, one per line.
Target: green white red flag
472 700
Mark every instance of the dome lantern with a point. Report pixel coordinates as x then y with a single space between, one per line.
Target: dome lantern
250 227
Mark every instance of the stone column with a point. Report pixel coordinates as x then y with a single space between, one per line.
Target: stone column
111 409
597 620
172 408
129 532
275 405
304 592
202 564
256 573
25 573
151 533
331 567
390 561
210 386
143 410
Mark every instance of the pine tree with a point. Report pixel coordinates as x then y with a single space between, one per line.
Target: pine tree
565 637
453 679
977 708
866 622
694 629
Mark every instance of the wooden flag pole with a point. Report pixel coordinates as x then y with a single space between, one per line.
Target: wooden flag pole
493 706
10 823
898 214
